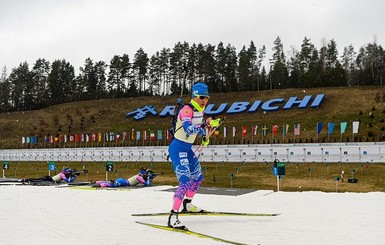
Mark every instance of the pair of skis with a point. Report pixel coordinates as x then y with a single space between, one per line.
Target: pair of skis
203 213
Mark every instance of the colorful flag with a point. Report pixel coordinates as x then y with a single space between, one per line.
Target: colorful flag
144 135
124 136
244 131
343 127
112 136
106 137
99 137
152 135
330 128
117 136
356 125
255 130
275 129
137 135
23 140
264 130
132 134
72 138
234 131
160 134
319 127
285 129
224 132
297 129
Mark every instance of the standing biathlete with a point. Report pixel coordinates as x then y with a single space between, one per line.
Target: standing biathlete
187 168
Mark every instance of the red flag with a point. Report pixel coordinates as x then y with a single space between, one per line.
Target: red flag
77 138
275 129
244 131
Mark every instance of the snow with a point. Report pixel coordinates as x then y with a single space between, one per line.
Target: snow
37 215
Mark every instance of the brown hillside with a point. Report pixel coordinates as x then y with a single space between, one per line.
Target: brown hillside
341 104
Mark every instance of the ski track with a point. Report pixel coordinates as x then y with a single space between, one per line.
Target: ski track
36 215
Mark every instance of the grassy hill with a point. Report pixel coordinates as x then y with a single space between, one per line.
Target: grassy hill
364 104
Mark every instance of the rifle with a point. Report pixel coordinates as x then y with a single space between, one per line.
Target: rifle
199 149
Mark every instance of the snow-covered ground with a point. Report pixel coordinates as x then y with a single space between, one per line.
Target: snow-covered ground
37 215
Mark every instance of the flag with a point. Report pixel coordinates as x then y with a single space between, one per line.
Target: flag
32 140
144 135
356 125
99 137
65 138
50 139
36 139
167 133
72 138
117 136
234 131
297 129
23 140
343 127
137 135
93 137
132 134
285 129
319 127
254 129
160 134
330 128
152 135
106 137
112 136
275 129
244 131
124 136
28 140
224 132
264 130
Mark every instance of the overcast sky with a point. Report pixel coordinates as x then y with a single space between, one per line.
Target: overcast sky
77 29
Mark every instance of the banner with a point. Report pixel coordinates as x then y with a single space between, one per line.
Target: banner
330 128
285 129
264 130
356 125
244 131
160 134
319 127
297 129
275 129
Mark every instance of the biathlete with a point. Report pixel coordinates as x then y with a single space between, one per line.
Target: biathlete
67 175
190 124
144 177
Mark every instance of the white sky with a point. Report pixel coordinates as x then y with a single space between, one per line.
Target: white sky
77 29
37 215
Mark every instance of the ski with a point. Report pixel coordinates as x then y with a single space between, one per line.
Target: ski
189 232
209 213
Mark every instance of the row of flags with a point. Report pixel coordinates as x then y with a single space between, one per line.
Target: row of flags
154 135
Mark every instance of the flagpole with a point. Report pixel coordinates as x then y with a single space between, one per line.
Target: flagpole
294 132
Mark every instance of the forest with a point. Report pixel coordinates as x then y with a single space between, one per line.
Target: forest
174 70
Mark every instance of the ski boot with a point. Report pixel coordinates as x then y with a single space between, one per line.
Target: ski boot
188 207
174 222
